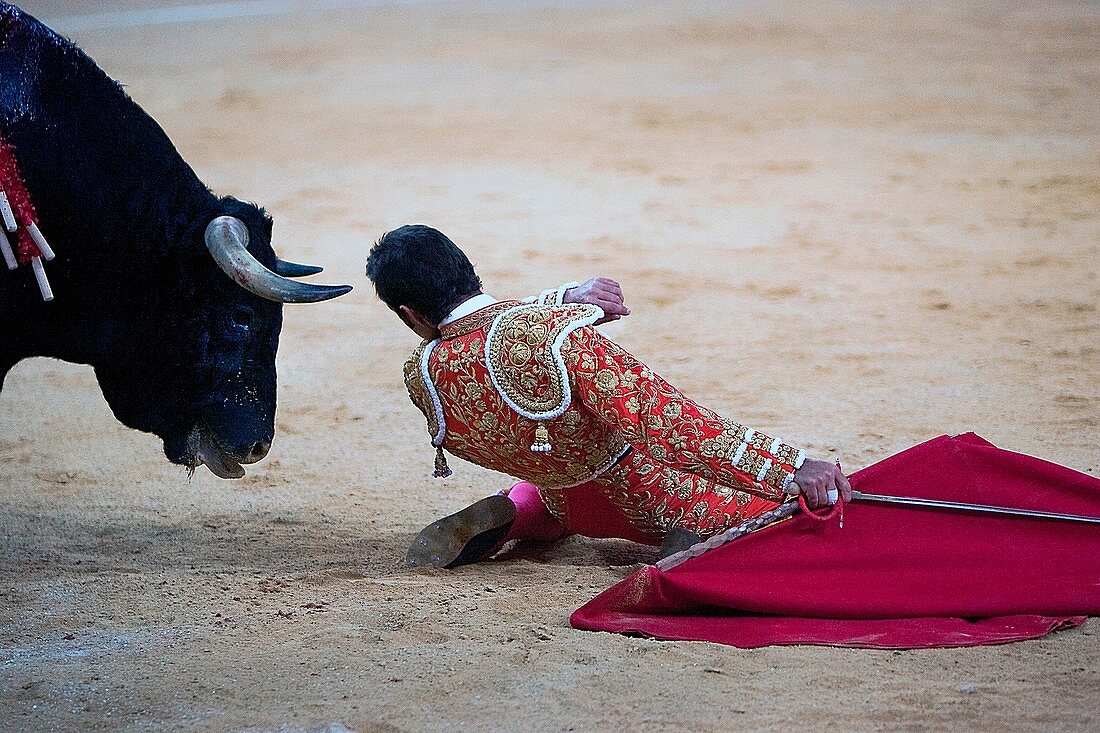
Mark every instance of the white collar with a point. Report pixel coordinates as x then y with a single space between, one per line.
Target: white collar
467 307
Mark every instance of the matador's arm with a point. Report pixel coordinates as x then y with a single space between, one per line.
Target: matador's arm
602 292
654 416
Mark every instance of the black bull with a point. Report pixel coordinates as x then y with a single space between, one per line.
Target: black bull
172 294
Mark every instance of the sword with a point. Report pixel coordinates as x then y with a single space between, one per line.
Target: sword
795 490
961 506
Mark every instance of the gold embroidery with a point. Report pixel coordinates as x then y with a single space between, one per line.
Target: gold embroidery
682 473
655 498
786 454
476 321
761 442
658 419
751 462
521 357
776 475
482 429
555 503
418 392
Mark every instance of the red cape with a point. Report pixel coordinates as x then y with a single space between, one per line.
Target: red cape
892 577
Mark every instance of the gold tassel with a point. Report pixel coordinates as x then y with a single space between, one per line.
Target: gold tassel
542 439
442 470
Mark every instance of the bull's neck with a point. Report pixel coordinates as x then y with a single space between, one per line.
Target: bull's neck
120 239
119 206
122 210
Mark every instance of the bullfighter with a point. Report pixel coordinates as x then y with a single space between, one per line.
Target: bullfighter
602 446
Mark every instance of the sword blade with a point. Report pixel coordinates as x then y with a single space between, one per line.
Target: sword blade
983 508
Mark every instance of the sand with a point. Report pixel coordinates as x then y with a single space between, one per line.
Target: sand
857 226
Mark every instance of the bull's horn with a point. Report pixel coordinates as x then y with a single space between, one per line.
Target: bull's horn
227 240
293 269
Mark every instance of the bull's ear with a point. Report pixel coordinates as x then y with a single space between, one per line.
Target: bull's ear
293 269
227 242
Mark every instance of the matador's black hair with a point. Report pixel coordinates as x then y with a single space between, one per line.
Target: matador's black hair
421 268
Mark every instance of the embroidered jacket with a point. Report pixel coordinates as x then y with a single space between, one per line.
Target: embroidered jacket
507 381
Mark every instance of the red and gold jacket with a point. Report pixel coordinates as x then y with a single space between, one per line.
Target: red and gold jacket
535 391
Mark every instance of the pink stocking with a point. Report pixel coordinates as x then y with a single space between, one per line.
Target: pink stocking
533 521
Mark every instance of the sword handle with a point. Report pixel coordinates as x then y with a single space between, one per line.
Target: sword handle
793 489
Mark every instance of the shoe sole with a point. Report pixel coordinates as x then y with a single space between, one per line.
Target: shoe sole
464 537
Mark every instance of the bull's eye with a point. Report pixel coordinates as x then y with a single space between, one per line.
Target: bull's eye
243 318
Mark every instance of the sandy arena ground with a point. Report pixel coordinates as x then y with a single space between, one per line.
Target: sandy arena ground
858 226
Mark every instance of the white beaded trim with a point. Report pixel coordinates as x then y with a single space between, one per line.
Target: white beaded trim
441 433
749 433
764 470
555 351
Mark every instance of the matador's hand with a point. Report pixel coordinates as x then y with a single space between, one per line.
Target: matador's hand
603 292
816 478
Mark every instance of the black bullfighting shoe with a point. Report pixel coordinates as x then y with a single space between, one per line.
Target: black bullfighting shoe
678 539
473 534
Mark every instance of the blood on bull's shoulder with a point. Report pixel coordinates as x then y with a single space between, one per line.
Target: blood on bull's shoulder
173 294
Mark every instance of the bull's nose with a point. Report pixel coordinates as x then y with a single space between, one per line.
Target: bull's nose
258 451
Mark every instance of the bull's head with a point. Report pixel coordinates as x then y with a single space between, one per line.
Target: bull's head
176 297
201 373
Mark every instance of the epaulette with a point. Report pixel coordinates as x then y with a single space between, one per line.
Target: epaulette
523 353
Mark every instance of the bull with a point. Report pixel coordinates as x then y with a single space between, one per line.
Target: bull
172 294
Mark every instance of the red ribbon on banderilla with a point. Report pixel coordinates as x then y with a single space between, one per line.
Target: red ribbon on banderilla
19 221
